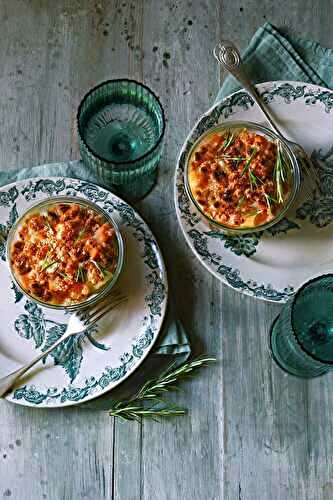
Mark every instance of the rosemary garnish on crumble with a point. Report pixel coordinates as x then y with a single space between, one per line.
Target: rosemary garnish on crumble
80 274
81 234
248 161
102 270
280 172
47 261
269 200
252 213
254 179
233 158
240 201
47 265
230 139
47 223
64 275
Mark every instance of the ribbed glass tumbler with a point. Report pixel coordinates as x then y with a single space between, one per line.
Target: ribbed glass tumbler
302 335
121 125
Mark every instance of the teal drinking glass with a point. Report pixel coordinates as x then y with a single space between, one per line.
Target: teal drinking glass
302 335
121 125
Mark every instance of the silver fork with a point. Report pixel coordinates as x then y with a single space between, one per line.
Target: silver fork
230 59
78 323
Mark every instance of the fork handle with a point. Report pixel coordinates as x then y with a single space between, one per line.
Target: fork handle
7 382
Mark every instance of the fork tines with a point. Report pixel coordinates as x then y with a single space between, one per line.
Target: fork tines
94 314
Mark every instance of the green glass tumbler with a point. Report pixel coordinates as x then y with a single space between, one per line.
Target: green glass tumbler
121 125
301 337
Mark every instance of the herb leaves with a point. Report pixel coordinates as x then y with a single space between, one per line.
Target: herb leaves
149 401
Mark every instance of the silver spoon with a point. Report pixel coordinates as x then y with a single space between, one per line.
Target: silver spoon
230 59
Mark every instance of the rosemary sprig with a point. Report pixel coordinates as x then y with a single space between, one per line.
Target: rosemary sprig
252 213
80 235
80 274
46 259
136 412
254 180
46 264
240 201
270 197
280 173
102 270
47 223
248 161
229 140
233 158
64 275
148 402
269 200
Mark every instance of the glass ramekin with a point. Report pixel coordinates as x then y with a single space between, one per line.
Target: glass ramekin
105 289
294 169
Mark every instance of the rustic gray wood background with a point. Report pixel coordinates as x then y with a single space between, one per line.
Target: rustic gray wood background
252 433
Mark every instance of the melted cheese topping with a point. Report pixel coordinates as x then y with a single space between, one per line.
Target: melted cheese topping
238 179
64 254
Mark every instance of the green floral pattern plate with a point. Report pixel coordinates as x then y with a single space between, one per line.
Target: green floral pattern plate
270 265
86 366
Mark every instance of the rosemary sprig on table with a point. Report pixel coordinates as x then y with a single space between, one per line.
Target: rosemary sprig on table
148 402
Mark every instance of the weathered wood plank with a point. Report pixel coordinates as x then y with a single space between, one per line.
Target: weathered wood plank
275 426
128 33
51 53
55 454
182 459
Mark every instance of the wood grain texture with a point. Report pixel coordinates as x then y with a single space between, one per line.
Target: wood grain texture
252 431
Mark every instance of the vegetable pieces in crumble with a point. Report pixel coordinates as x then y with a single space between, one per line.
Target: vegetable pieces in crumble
239 178
65 253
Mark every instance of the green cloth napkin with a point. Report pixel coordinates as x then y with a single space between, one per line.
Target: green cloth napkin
273 55
173 343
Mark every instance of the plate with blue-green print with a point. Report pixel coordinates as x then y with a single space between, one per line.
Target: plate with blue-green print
272 264
87 365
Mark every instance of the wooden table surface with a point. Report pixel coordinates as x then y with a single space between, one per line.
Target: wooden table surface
252 433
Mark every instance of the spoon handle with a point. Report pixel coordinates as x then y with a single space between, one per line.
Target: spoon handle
230 59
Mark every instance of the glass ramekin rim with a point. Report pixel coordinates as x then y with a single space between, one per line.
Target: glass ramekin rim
295 175
100 294
139 158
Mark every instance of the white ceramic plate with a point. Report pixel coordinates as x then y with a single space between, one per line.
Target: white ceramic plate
82 368
273 264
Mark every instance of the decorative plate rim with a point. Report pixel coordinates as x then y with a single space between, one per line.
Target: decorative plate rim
248 287
25 183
